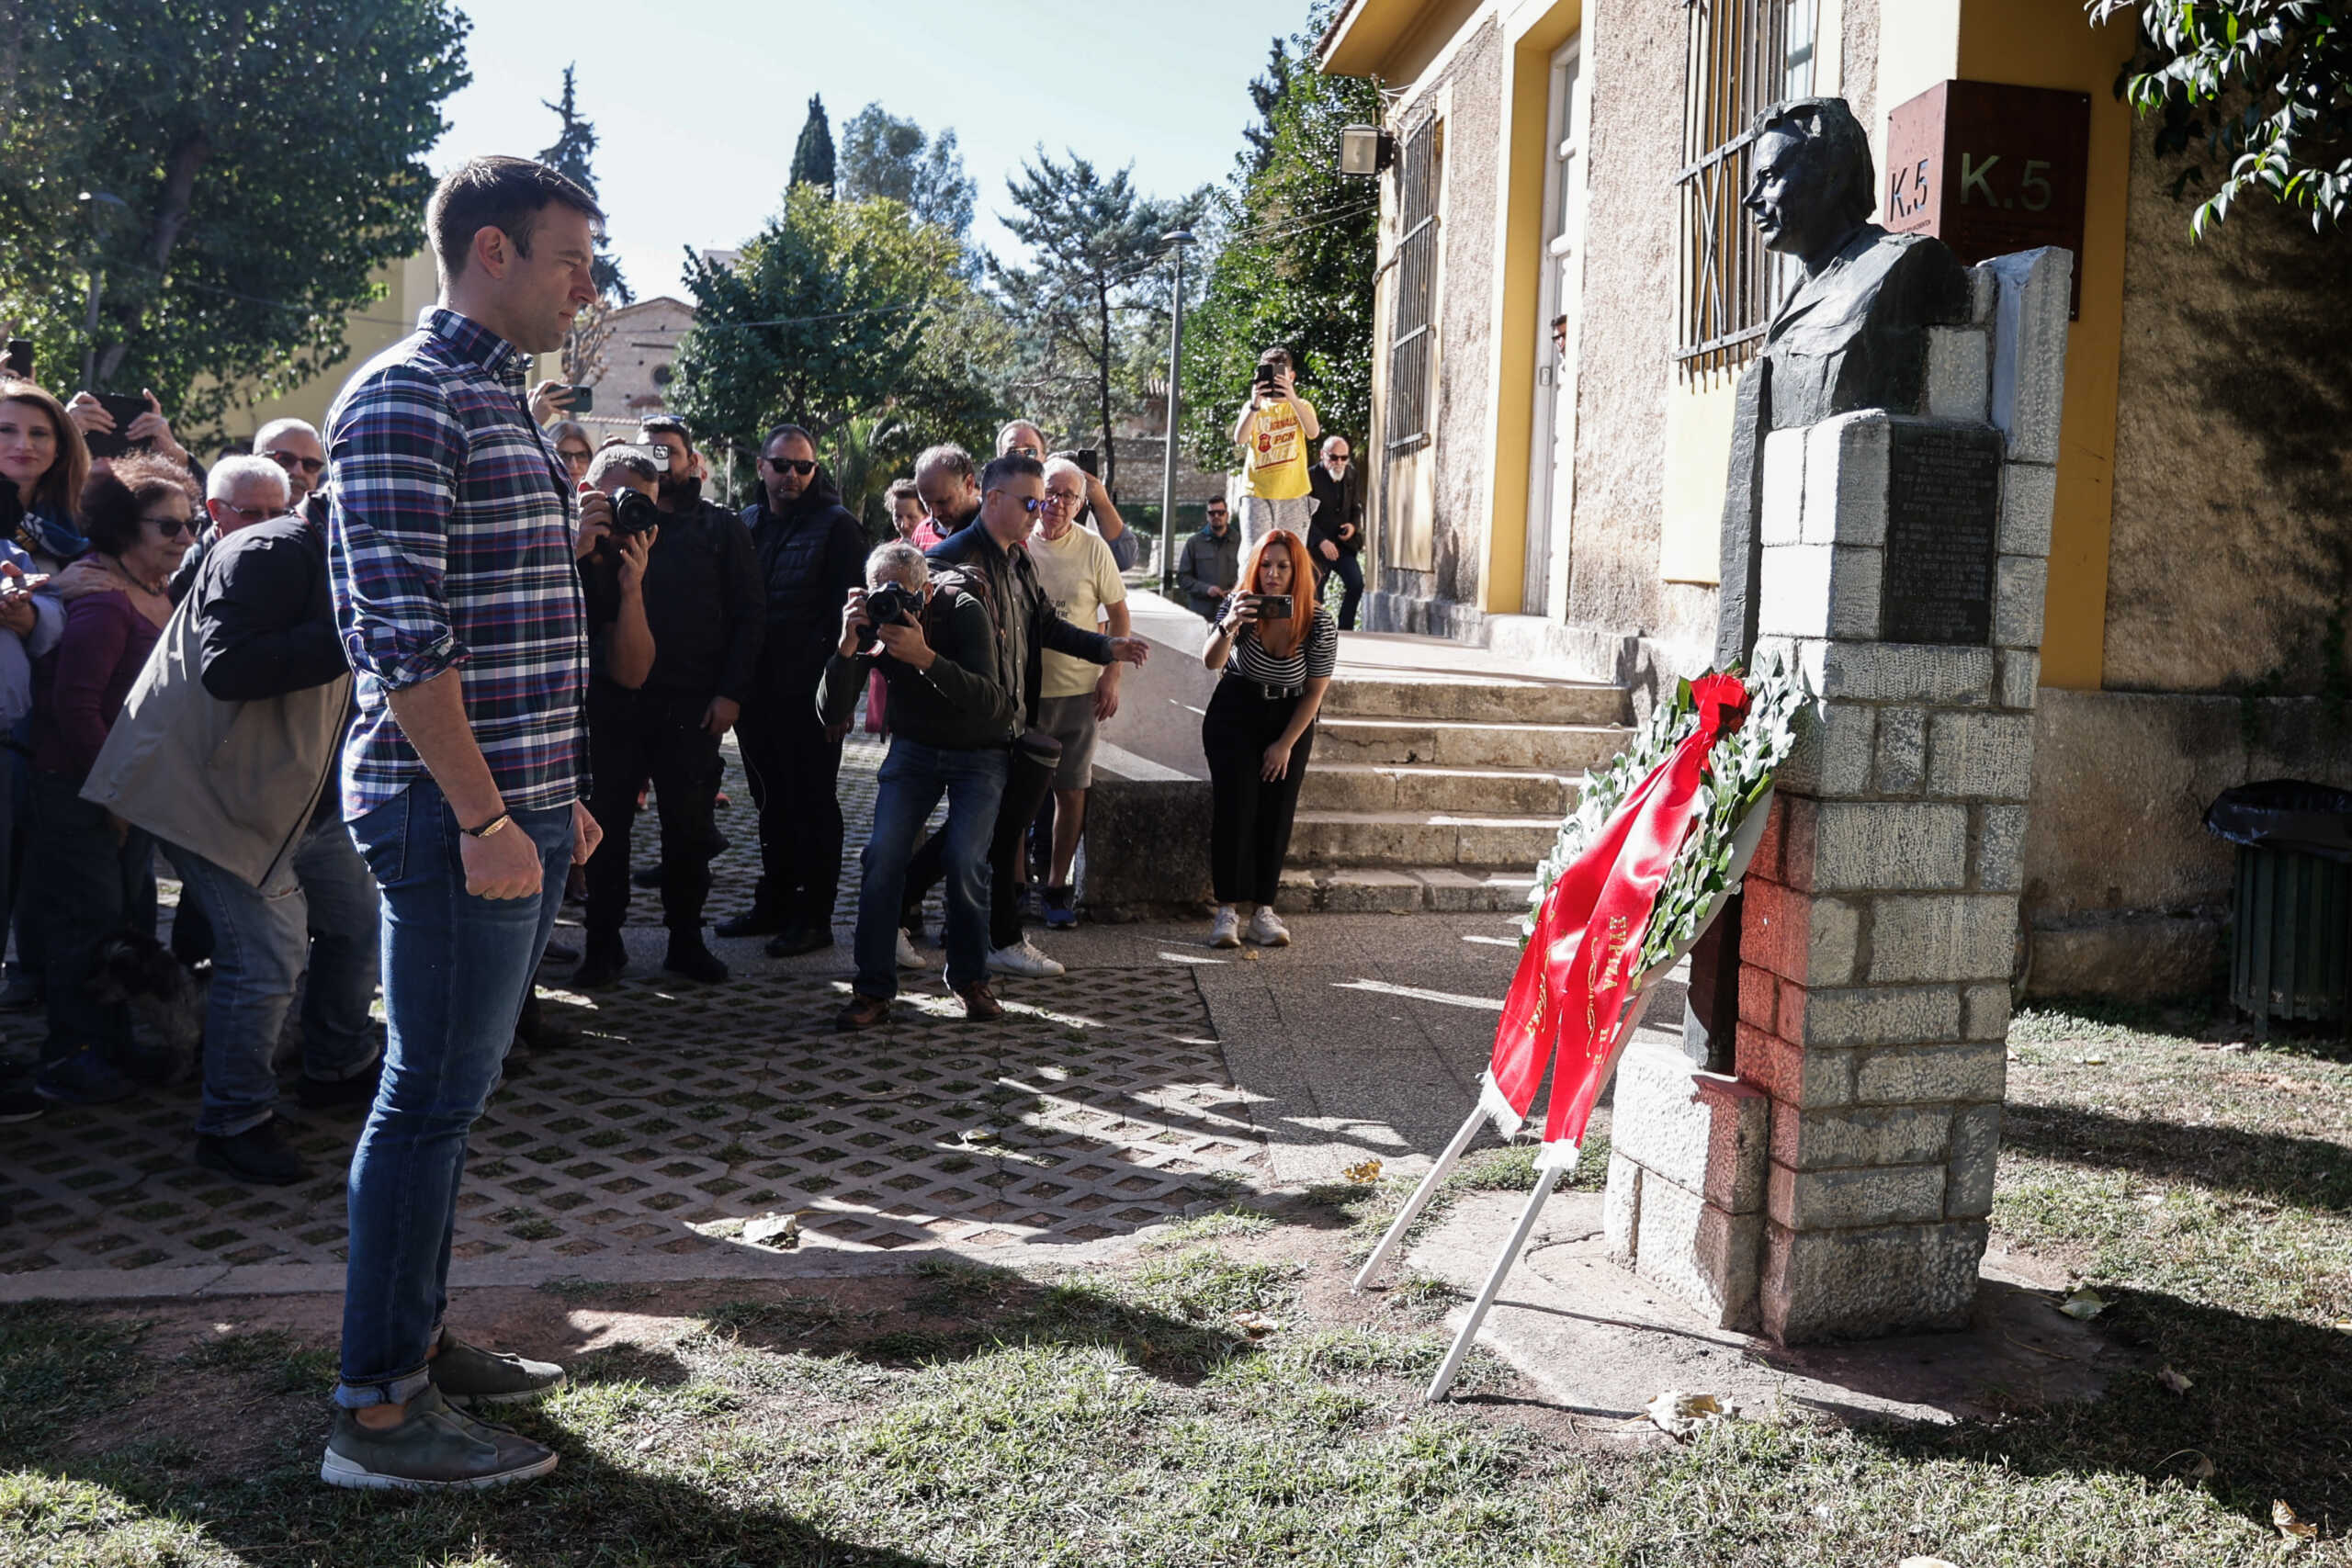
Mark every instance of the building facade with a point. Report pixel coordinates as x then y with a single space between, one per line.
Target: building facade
1568 293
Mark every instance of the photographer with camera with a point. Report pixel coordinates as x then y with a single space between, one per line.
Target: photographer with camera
1275 428
1024 439
673 622
1277 649
952 718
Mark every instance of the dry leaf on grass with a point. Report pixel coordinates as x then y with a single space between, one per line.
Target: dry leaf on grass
2084 1304
2177 1382
2292 1528
1255 1324
1679 1415
1364 1173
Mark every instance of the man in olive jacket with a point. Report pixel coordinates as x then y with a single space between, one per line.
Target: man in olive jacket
952 718
225 751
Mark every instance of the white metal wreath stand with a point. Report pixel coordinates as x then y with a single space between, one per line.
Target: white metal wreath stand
1554 1160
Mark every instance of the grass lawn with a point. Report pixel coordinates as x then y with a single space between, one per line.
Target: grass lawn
971 1416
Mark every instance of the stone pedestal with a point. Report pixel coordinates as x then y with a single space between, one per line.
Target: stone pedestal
1904 564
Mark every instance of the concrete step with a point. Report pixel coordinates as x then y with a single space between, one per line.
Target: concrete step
1568 749
1361 786
1372 890
1397 838
1481 698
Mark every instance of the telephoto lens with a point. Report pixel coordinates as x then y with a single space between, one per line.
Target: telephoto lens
889 605
634 513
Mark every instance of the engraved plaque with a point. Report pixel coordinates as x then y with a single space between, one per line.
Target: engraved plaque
1943 523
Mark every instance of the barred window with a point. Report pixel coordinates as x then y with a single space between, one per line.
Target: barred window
1412 329
1742 57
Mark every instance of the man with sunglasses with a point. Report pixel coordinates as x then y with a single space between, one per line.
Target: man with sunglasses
810 552
293 445
238 492
1022 439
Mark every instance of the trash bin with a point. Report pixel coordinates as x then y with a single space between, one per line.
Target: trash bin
2290 951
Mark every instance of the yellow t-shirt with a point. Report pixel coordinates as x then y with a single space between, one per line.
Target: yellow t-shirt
1081 577
1276 460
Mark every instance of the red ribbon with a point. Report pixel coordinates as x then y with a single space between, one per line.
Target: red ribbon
1569 993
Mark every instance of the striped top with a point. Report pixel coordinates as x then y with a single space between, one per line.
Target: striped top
449 546
1315 661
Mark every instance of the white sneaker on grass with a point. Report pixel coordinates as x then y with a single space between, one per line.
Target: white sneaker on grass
1226 930
1266 929
1022 958
910 955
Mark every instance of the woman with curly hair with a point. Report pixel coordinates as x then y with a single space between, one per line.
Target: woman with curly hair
89 866
1277 649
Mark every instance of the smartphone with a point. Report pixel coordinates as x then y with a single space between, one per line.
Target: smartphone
1274 607
581 399
126 412
16 587
20 357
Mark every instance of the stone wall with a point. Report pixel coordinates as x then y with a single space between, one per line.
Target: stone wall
2230 563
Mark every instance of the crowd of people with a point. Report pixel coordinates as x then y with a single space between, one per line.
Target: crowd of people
384 695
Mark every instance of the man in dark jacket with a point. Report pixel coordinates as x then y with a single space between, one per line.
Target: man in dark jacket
1335 536
1211 563
810 553
261 615
952 718
991 550
706 613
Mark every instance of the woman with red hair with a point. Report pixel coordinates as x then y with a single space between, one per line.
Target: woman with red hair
1277 648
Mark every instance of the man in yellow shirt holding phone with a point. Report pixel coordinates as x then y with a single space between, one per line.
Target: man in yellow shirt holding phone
1275 432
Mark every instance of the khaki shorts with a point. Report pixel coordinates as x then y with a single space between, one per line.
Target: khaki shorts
1071 720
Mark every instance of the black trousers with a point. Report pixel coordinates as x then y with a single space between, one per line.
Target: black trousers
1249 818
1028 785
633 737
795 774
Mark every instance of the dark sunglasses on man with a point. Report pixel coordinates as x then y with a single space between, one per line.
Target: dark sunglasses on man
290 461
803 466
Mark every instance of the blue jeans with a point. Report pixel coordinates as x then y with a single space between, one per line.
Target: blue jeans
316 910
912 779
457 968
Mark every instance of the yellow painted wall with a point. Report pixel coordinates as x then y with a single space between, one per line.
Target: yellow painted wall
2048 43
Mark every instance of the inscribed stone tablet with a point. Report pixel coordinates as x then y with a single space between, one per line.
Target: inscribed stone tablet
1943 518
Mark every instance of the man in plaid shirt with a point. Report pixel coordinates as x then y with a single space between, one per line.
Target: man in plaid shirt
452 539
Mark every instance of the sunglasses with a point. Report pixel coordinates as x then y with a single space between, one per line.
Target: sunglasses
803 466
173 528
292 461
578 457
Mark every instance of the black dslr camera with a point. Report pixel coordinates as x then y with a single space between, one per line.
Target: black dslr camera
892 604
634 513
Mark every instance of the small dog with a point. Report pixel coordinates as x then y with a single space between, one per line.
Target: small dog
163 995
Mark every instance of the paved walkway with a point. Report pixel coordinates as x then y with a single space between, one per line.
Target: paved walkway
1157 1078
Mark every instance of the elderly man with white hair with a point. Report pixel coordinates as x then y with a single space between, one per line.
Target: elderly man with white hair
294 446
1022 437
238 492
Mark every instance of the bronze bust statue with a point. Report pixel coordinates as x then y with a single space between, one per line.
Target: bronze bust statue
1853 334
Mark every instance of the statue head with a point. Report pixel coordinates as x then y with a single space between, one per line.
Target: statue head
1812 182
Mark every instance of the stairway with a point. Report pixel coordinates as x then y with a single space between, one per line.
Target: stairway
1440 789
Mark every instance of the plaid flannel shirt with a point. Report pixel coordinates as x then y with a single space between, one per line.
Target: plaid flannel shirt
449 546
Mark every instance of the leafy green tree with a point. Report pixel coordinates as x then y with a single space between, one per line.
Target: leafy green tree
812 155
835 310
247 168
884 156
863 455
575 147
1294 264
2264 85
1097 246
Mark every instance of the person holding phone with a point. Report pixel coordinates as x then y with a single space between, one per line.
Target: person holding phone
114 425
1274 433
1277 649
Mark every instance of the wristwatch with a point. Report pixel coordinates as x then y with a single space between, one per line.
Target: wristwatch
487 828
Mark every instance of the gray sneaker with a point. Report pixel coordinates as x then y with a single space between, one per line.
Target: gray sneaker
469 1375
435 1449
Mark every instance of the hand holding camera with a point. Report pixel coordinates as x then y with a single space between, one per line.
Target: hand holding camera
635 547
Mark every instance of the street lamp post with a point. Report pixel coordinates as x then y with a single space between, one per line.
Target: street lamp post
1176 244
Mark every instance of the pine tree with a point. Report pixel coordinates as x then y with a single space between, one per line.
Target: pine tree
575 147
812 155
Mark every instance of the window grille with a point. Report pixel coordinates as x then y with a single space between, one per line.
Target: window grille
1742 57
1412 330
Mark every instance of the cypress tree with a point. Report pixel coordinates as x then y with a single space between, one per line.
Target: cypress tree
812 155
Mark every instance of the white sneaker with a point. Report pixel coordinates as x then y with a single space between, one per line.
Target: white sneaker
1022 958
1266 930
1226 932
910 955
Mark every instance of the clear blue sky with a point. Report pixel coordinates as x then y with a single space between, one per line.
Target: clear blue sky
698 104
